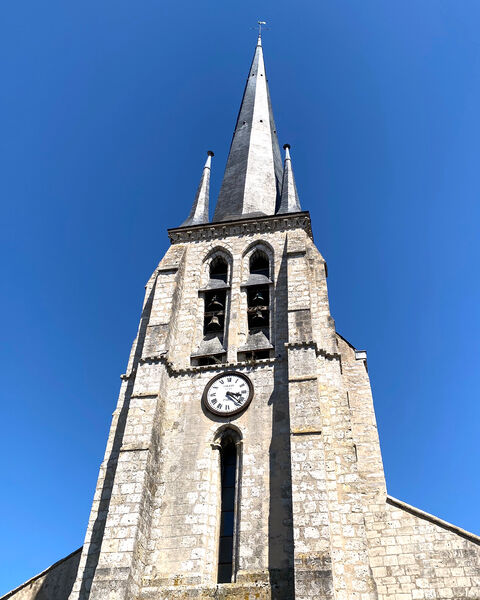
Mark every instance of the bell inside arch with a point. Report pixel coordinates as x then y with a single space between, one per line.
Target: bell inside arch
214 324
258 299
215 304
258 318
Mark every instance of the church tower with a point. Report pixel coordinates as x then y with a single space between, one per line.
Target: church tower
243 459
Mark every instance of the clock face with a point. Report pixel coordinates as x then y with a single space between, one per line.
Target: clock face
228 393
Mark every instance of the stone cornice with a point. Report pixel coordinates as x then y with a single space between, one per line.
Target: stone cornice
222 229
174 371
318 351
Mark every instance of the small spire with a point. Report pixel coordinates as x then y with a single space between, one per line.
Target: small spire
199 212
289 202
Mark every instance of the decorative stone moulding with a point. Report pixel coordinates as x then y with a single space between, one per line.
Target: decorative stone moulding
360 354
267 224
126 376
174 371
312 344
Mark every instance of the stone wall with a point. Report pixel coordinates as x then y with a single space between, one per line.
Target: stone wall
55 583
416 556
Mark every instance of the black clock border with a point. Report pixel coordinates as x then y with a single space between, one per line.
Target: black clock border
233 412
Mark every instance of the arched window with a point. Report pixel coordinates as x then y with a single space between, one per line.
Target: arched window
258 307
219 269
215 293
229 483
216 298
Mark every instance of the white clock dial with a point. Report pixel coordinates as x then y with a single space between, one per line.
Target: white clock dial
228 393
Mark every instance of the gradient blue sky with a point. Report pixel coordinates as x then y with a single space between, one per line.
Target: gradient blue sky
107 111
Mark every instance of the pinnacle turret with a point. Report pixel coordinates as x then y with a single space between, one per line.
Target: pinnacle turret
199 213
289 201
252 181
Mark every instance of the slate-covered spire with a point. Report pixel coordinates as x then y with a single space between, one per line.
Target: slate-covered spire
199 212
289 201
252 181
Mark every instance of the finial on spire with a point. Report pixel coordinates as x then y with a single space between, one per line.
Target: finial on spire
208 162
199 213
260 23
289 201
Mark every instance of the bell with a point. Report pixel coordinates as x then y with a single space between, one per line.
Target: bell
258 299
214 324
258 317
215 304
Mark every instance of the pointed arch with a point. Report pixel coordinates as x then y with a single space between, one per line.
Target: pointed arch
228 430
258 248
214 257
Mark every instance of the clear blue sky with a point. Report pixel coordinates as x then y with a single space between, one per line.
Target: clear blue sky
107 111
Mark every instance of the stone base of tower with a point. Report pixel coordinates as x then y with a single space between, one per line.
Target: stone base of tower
413 556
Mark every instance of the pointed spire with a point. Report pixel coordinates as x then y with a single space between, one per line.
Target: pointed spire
289 201
252 180
199 212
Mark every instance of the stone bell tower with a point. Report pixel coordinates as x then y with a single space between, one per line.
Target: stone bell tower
243 459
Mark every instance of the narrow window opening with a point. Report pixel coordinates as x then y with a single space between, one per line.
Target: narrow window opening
214 316
228 461
211 350
219 269
258 299
259 264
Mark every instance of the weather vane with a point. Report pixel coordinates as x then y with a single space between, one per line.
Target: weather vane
260 23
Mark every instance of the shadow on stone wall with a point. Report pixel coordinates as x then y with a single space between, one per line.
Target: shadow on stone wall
58 582
55 583
280 522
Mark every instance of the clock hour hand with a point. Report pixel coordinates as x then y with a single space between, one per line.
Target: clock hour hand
233 397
